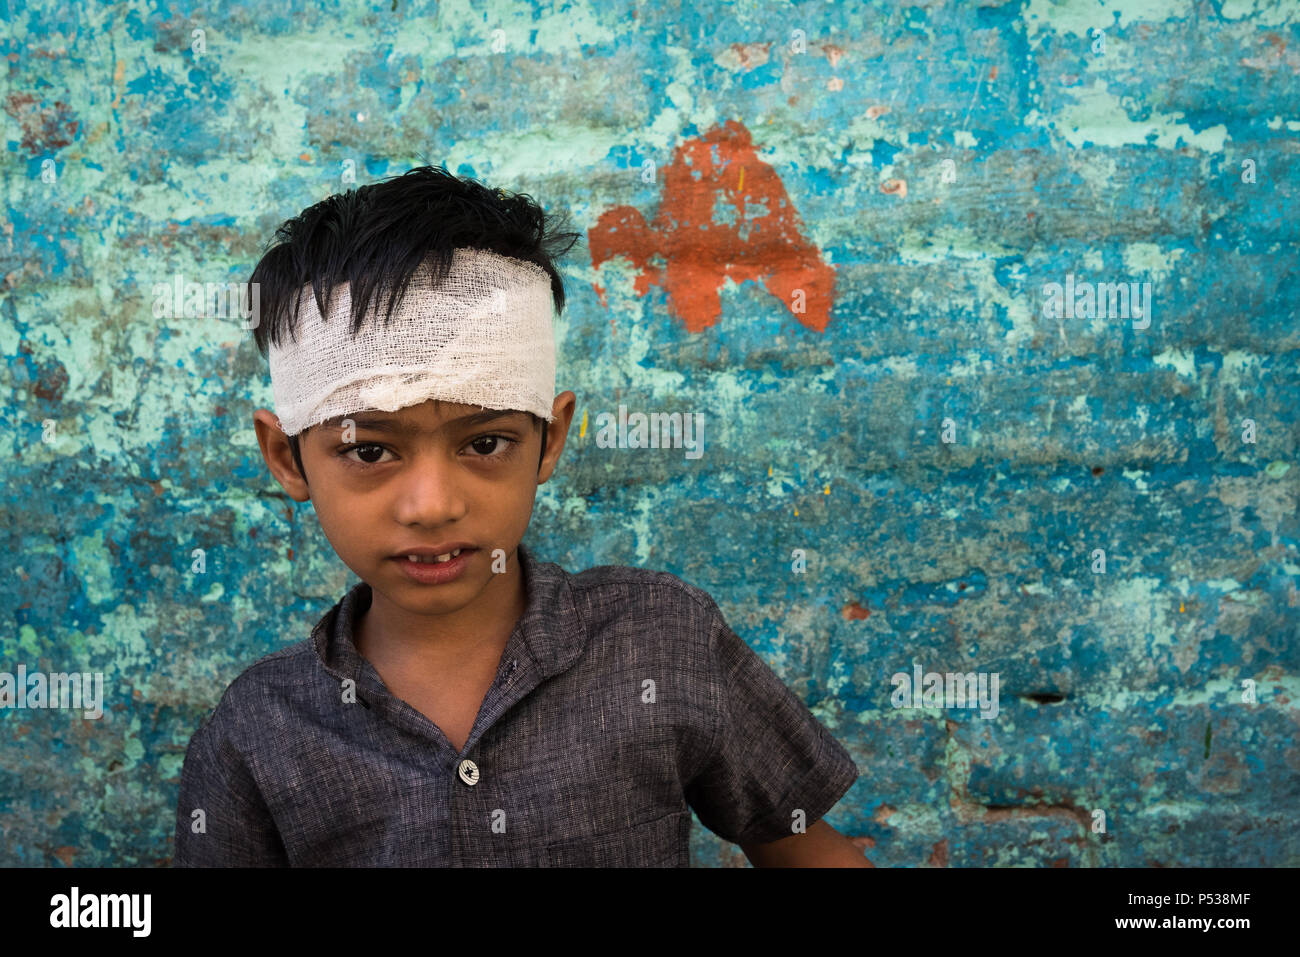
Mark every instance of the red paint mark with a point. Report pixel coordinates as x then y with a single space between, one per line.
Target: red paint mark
875 112
290 552
45 128
855 612
939 855
66 854
698 254
52 381
751 55
1061 862
896 187
993 74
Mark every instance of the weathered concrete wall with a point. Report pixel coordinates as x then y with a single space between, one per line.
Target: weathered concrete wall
830 229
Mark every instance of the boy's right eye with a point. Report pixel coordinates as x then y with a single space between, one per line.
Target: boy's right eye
369 454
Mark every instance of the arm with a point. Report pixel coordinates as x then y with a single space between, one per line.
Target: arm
769 758
820 846
233 827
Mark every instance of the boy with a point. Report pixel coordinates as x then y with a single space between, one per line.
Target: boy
467 704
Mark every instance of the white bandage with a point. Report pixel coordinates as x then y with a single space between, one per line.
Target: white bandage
483 337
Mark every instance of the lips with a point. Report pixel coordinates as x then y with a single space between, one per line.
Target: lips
429 567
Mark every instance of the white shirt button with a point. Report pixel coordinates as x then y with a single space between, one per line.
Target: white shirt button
468 772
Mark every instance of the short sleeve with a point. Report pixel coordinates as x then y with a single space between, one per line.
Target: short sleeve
235 828
770 756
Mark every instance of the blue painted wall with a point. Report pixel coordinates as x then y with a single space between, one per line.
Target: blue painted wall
949 455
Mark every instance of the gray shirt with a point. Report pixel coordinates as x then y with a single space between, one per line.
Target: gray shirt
622 701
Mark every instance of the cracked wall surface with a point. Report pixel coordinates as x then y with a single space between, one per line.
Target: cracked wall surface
829 228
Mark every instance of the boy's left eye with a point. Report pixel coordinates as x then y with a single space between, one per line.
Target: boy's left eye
369 453
498 449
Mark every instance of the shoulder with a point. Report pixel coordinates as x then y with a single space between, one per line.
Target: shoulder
262 694
627 607
608 594
272 669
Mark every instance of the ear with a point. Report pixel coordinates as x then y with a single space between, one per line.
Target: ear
278 455
556 432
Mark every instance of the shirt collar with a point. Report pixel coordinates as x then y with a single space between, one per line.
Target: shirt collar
549 628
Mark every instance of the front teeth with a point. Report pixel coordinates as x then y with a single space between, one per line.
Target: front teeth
436 560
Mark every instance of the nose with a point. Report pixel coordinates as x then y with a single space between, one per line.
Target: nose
430 492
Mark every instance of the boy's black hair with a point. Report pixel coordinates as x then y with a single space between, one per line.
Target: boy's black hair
375 237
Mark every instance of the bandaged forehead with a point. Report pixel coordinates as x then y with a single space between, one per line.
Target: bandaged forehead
483 337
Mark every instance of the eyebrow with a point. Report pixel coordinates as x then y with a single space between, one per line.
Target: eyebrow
393 426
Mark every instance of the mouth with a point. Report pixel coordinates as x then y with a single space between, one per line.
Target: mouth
434 560
433 556
429 566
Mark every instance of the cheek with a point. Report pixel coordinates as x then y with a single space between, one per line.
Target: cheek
334 523
343 514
